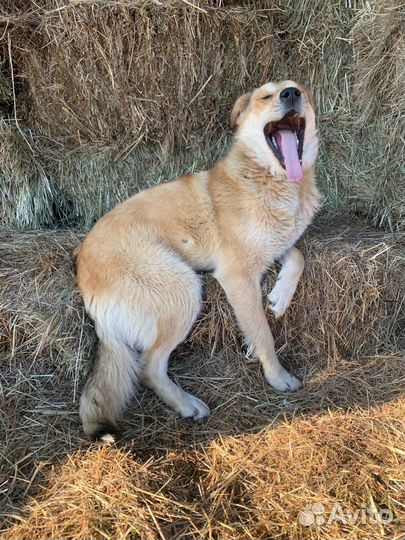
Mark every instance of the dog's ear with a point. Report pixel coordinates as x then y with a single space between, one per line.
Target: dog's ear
240 106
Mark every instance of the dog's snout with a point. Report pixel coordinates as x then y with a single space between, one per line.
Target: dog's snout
290 96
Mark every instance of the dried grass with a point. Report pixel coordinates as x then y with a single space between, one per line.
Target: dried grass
112 74
378 74
361 269
100 99
49 188
346 344
107 93
250 486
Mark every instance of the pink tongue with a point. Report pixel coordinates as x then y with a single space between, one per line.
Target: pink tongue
287 144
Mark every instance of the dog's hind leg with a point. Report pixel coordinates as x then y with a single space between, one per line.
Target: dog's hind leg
172 330
156 378
147 302
292 266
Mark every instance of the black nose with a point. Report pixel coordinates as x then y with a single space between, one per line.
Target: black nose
290 96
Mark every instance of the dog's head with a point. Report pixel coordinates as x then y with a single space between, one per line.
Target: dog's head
276 122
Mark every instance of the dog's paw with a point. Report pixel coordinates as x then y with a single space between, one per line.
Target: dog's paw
280 297
283 381
192 407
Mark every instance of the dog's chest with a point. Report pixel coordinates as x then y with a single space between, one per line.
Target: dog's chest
274 226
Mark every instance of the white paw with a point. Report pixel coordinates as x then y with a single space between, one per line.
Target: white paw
192 407
280 297
283 381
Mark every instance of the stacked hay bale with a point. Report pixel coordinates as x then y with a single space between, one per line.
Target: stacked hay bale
100 99
353 279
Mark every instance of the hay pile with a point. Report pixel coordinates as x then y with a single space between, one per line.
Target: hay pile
99 97
251 486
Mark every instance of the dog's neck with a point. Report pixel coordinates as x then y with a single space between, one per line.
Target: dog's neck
241 164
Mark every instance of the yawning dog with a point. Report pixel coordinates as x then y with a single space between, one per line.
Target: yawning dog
137 268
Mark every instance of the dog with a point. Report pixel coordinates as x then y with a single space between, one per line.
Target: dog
138 267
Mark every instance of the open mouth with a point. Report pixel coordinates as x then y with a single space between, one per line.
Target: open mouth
286 140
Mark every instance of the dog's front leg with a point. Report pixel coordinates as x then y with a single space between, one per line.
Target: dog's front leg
244 294
292 266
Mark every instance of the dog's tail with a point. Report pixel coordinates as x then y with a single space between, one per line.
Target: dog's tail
108 389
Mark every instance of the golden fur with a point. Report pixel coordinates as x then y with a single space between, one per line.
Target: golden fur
136 269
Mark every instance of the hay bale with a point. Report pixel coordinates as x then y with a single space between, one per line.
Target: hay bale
349 302
94 493
362 158
102 101
251 486
27 198
41 311
40 187
104 74
98 91
261 485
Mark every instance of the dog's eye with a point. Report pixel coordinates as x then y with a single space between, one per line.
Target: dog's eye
268 96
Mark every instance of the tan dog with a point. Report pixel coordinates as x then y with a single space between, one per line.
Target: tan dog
136 269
